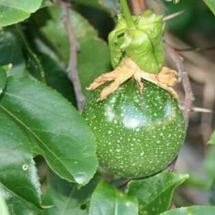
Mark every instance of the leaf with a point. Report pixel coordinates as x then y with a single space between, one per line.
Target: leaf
11 53
211 5
16 205
17 170
111 6
33 65
209 167
3 207
212 139
15 11
212 193
3 79
155 193
209 162
37 120
56 77
66 198
193 210
106 199
93 57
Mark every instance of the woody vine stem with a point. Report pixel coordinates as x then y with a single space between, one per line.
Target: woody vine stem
72 67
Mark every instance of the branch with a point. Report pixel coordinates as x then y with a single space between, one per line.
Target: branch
72 68
185 81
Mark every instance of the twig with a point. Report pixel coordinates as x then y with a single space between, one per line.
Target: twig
185 81
193 49
172 16
72 68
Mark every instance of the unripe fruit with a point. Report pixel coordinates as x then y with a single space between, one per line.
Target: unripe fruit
136 135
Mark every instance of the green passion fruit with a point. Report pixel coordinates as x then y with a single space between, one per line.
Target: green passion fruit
136 135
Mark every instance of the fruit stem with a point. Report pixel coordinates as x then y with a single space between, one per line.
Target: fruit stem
127 14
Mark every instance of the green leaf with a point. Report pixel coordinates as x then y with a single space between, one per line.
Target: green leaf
3 79
66 198
155 193
212 193
17 205
11 53
209 162
212 139
37 120
106 199
93 57
210 170
3 207
211 5
111 6
18 173
15 11
193 210
56 77
33 65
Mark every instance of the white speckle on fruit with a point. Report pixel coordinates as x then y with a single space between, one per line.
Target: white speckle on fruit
109 113
130 122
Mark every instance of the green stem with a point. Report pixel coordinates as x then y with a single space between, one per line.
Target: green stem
127 14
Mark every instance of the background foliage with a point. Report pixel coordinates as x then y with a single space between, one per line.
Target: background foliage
47 152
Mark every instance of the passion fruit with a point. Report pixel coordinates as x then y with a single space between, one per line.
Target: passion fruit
136 135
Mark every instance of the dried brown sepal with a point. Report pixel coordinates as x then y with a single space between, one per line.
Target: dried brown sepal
165 79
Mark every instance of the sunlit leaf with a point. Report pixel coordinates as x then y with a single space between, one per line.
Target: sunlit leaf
15 11
193 210
106 199
211 5
212 139
155 193
3 207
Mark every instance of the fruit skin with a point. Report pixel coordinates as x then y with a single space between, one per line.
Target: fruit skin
136 135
